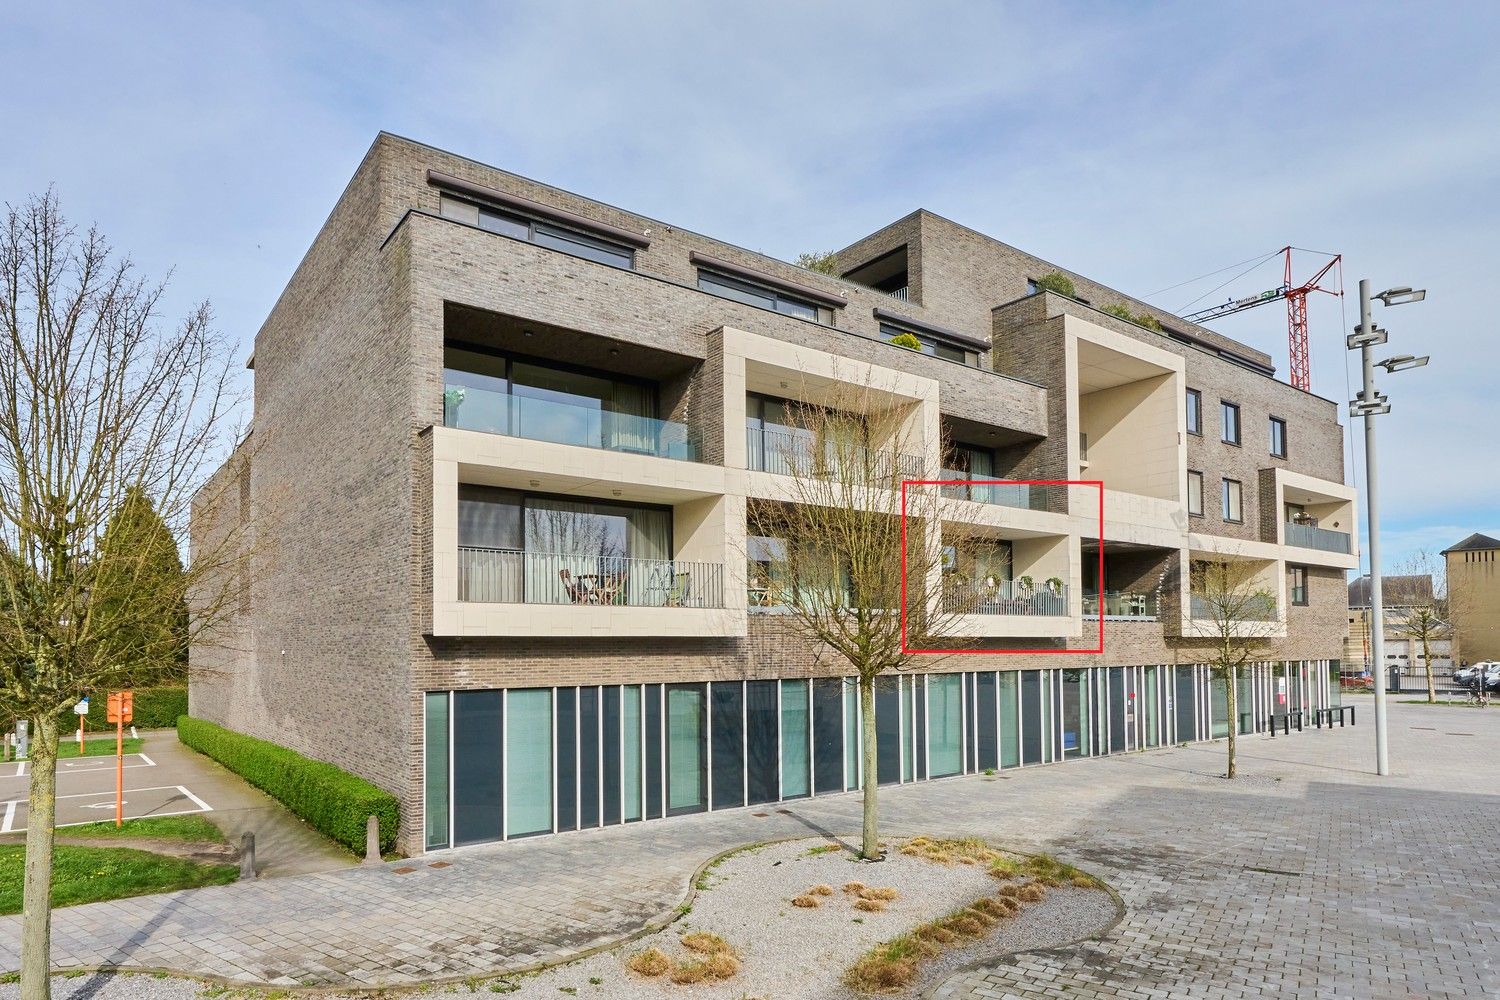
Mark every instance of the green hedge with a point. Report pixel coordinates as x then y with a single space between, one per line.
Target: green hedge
331 800
152 708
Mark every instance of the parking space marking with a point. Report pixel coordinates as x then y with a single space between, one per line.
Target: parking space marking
7 823
82 765
10 817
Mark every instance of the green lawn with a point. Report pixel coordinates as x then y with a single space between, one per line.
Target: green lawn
98 747
91 874
189 829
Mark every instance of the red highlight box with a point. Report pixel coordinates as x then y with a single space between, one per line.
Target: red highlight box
1096 483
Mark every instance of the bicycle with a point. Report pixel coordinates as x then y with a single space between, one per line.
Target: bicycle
1478 695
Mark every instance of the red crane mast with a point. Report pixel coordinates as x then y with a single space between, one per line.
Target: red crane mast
1296 310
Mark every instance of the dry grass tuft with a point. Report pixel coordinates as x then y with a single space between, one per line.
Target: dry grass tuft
853 888
879 892
870 905
964 925
1032 892
1084 881
706 944
651 963
1004 906
806 902
821 890
1010 891
888 967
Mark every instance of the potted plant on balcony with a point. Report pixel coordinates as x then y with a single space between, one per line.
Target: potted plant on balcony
452 397
1048 601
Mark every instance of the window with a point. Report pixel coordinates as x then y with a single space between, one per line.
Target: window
1299 585
528 761
1194 412
945 724
759 295
1232 507
935 346
1195 493
1230 413
543 234
1278 437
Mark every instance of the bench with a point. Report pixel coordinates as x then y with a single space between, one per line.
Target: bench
1340 712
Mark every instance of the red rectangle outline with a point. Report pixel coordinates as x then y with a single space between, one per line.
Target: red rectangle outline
1098 483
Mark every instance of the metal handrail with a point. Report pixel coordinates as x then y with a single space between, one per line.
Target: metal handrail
513 576
1003 597
1121 604
799 453
1308 536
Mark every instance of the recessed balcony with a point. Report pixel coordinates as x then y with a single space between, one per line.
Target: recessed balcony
514 576
795 452
1005 597
1310 536
1121 605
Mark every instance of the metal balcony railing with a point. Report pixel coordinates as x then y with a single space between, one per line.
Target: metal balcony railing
1308 536
1003 495
470 408
799 453
1002 597
1120 604
1253 610
898 293
511 576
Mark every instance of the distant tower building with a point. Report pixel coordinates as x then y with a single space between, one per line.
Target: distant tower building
1474 596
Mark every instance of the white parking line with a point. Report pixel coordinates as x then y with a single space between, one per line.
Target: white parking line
21 769
204 806
10 817
107 801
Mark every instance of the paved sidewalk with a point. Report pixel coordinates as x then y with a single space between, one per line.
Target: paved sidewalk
1306 877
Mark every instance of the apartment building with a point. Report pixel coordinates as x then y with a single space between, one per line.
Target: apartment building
503 444
1473 568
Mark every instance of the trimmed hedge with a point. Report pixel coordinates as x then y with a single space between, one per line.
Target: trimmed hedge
329 799
151 708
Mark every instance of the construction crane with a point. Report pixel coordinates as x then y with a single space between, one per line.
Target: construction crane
1296 310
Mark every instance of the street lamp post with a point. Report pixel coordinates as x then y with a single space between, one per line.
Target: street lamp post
1370 404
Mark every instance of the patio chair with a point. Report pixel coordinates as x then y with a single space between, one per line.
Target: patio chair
678 595
573 588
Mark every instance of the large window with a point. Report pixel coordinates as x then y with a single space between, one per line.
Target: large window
435 772
1194 411
1278 437
1298 584
544 234
630 753
1229 414
1075 714
1233 506
1010 720
763 296
795 739
945 708
1195 493
933 345
528 762
686 775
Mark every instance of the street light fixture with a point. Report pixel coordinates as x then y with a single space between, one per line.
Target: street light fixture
1369 404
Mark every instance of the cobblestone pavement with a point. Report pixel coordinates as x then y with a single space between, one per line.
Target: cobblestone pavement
1305 877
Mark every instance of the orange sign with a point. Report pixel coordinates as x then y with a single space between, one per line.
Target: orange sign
120 707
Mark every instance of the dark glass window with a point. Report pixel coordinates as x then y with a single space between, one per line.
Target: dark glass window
933 345
752 294
727 725
888 729
828 735
1194 411
567 758
588 757
478 742
1187 705
653 751
1278 437
986 724
543 234
611 755
1116 709
1031 717
1230 416
1299 585
762 737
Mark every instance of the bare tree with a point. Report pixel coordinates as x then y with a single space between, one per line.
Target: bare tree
1232 607
1420 611
99 403
836 568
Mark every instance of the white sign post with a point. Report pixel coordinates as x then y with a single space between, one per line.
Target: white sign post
81 710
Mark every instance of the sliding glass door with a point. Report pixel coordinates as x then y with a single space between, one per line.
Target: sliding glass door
687 785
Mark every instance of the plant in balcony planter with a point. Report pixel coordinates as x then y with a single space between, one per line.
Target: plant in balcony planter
908 341
1056 281
452 397
1055 584
1026 584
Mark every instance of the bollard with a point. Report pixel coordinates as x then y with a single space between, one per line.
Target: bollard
372 840
247 855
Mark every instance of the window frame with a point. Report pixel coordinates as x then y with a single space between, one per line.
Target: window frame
821 314
1194 413
1238 492
930 343
1192 473
555 235
1296 572
1225 406
1271 426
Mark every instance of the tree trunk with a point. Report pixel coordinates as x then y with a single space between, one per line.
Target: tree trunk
1231 692
36 904
1431 681
869 847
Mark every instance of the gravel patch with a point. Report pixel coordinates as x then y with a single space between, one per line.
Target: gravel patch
786 951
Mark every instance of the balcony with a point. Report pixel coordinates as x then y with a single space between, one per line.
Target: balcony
1001 495
471 408
792 453
1120 604
1252 610
1307 536
513 576
1003 597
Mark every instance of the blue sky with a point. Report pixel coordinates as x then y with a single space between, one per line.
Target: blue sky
1142 144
